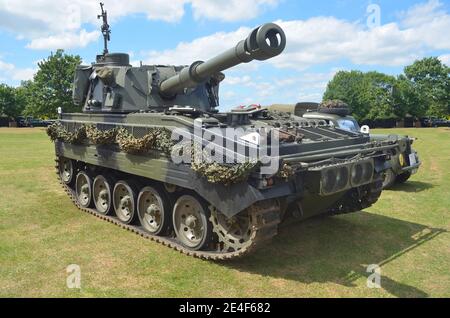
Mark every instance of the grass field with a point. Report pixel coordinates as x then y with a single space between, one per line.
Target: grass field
41 233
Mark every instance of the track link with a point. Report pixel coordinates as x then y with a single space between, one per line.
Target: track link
266 213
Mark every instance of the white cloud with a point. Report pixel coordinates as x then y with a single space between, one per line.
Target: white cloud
9 72
23 74
6 67
200 49
51 25
325 39
236 80
230 10
306 86
321 40
445 59
64 40
422 13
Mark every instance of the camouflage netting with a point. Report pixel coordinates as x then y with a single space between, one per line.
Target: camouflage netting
203 164
279 115
225 174
286 172
164 140
57 131
100 137
132 145
334 103
157 139
336 106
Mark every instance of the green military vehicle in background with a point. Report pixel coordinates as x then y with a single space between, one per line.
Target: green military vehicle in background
151 153
404 162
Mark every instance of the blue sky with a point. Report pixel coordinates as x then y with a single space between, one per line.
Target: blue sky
323 37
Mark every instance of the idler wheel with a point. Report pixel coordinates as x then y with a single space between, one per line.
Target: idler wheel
234 233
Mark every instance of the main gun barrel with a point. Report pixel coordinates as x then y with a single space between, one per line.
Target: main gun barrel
264 42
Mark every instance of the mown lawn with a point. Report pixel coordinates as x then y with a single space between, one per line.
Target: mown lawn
41 233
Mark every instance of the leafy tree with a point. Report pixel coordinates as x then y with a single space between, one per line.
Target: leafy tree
431 79
407 100
369 95
11 102
378 95
424 89
347 86
6 100
52 86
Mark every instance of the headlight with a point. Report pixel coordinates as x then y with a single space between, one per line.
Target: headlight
329 180
357 174
401 160
342 178
361 173
335 179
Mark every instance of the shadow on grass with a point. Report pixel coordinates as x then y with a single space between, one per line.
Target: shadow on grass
338 250
411 186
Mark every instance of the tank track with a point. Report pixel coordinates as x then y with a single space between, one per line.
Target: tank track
266 214
360 198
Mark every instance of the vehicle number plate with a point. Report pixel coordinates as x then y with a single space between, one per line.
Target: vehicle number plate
412 159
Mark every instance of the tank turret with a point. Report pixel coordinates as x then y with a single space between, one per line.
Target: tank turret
112 85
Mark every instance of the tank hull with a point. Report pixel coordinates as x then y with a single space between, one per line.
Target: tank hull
259 206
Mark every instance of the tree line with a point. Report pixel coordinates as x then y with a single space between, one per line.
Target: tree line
422 90
50 88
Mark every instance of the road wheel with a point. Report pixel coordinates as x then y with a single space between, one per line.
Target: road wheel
191 222
389 178
124 198
102 195
83 189
66 170
402 178
153 211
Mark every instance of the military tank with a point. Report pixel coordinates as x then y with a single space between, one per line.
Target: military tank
242 172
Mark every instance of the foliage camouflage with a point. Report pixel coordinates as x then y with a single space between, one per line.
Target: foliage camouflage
132 145
157 139
286 172
101 137
204 164
333 103
56 131
225 174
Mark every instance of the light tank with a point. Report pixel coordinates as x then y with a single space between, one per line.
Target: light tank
242 172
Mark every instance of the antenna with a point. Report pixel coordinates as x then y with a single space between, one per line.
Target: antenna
106 31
